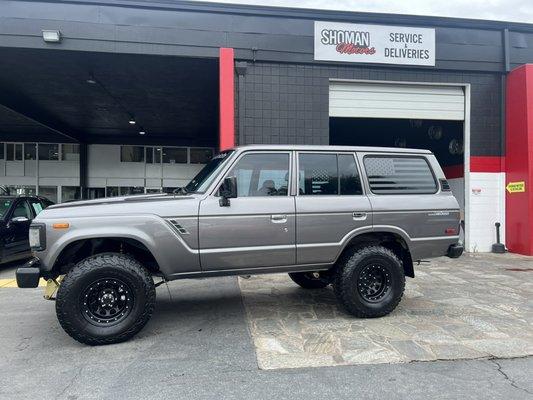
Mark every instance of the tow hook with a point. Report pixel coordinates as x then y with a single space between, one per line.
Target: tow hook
51 287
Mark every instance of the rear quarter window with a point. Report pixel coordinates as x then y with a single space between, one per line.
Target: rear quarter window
399 175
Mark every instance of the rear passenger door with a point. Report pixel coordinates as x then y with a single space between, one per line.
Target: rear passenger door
330 205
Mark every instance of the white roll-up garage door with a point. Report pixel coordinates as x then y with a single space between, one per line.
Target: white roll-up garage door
384 100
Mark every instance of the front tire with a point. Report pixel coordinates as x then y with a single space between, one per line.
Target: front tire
369 282
104 299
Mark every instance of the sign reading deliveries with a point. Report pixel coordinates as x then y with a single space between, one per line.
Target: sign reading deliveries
516 187
383 44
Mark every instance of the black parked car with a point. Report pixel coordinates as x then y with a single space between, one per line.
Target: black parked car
16 213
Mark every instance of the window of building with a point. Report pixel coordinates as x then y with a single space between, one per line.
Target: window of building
130 190
21 190
262 175
30 151
70 152
328 174
48 151
95 193
70 193
153 155
131 153
111 191
399 175
2 156
50 192
201 155
14 151
174 155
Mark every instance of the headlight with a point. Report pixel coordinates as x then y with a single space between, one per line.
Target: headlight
37 236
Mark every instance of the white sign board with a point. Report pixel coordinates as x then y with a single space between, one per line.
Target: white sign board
382 44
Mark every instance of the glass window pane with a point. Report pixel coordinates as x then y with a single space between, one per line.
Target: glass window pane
157 155
69 193
18 151
38 206
262 175
70 152
95 193
130 190
201 156
149 155
131 153
2 151
111 191
174 155
30 150
318 174
399 175
48 151
10 150
22 209
50 192
350 182
20 190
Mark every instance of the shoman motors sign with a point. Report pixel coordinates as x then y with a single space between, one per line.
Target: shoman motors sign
382 44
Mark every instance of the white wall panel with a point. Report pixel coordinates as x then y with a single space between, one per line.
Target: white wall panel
390 100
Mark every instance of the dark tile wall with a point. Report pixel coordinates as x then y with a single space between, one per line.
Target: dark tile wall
288 103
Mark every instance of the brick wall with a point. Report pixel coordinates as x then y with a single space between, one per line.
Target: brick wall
288 103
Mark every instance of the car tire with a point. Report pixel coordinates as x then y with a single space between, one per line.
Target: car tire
369 282
104 299
308 281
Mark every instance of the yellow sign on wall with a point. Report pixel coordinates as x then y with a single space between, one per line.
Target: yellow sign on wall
516 187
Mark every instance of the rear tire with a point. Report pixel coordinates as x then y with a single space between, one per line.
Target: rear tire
369 282
307 280
104 299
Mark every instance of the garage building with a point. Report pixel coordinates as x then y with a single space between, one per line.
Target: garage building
123 97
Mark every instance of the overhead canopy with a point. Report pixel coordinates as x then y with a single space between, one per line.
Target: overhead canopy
47 94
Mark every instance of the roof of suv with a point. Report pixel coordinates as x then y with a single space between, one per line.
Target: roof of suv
331 148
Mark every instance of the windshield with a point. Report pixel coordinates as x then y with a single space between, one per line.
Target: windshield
4 207
203 179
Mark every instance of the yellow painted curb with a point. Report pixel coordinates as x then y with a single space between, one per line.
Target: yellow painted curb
12 283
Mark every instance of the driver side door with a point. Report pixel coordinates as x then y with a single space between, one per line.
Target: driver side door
16 239
257 229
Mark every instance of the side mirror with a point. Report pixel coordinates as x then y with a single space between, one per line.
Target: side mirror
19 220
228 190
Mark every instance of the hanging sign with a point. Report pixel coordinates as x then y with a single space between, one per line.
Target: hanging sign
382 44
516 187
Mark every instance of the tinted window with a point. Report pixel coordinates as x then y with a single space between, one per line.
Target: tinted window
2 151
131 153
14 151
70 152
174 155
48 152
22 210
399 175
262 175
4 207
38 205
206 175
201 156
30 150
328 174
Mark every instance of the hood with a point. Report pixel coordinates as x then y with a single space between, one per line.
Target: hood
163 205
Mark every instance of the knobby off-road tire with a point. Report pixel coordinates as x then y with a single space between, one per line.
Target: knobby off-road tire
104 299
369 282
307 280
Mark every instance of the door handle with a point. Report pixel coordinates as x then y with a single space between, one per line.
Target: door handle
278 218
359 216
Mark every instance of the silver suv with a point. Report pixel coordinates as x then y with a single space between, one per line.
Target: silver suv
353 217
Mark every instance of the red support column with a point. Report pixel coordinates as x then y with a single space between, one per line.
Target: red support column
226 99
519 161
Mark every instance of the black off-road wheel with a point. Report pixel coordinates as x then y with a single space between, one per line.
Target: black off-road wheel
369 282
104 299
309 280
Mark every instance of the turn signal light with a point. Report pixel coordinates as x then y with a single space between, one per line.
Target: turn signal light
451 231
61 225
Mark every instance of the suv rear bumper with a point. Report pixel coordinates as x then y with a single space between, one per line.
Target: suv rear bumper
455 250
29 274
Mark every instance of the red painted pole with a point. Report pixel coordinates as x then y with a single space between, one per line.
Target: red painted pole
226 99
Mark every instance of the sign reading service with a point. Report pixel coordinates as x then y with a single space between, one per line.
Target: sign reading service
382 44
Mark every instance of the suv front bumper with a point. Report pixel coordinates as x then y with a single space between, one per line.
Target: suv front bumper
455 250
29 274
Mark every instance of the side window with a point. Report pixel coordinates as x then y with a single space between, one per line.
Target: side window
328 174
22 210
37 206
262 175
399 175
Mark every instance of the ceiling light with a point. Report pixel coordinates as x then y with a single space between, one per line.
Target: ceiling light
132 121
91 81
51 36
142 132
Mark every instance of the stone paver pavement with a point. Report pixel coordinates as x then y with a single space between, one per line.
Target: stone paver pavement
480 305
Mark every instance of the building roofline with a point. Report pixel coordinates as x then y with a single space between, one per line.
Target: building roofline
307 13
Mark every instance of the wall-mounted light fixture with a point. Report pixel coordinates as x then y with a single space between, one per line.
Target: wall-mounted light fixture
142 132
132 121
51 36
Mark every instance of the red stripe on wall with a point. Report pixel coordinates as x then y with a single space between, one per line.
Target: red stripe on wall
226 99
487 164
454 171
